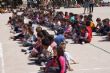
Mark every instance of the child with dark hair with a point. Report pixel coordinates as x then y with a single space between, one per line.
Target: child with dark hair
31 39
67 56
37 47
53 43
99 26
58 63
83 36
76 32
68 31
47 48
71 17
106 28
52 65
61 61
92 25
47 52
89 32
81 18
59 37
30 24
66 15
45 33
38 29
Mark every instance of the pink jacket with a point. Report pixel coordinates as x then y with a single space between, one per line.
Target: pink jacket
63 64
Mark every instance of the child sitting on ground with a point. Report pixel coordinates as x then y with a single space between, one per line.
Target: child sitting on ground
58 63
67 56
99 26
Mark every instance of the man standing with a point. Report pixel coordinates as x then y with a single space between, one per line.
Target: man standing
91 6
86 5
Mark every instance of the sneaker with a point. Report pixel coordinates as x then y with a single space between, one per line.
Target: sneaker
83 42
42 63
23 50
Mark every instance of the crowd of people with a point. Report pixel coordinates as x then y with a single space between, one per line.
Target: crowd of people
49 50
103 27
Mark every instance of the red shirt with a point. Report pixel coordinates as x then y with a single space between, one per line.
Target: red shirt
89 33
66 17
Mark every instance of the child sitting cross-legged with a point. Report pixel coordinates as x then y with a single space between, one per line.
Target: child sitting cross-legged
58 63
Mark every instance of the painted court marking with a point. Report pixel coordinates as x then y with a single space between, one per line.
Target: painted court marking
100 48
2 59
95 69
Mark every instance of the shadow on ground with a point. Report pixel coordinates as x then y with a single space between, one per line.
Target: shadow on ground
105 39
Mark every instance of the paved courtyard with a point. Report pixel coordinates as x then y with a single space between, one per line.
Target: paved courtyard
91 58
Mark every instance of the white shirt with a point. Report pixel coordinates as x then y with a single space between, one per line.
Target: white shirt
50 50
68 56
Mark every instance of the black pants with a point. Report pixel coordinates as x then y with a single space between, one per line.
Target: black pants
19 36
91 7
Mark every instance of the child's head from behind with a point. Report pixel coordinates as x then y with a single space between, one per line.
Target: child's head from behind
51 38
63 45
98 20
45 33
9 18
45 43
81 17
106 21
90 16
38 29
60 52
40 35
66 13
85 17
88 23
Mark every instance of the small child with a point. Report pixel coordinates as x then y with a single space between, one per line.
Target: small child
67 56
99 26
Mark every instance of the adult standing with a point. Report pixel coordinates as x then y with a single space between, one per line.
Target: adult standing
86 5
91 6
29 3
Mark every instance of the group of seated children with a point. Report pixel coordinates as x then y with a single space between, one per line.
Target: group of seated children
74 26
77 27
48 51
103 27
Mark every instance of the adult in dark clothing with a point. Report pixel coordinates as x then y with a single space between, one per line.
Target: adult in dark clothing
91 5
86 5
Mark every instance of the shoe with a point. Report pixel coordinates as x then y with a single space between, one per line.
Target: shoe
23 50
42 63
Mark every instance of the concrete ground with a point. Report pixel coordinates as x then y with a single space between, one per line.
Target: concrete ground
91 58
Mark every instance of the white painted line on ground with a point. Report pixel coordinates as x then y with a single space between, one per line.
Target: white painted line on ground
95 69
2 59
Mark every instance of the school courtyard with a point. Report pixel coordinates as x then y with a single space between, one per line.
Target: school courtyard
91 58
